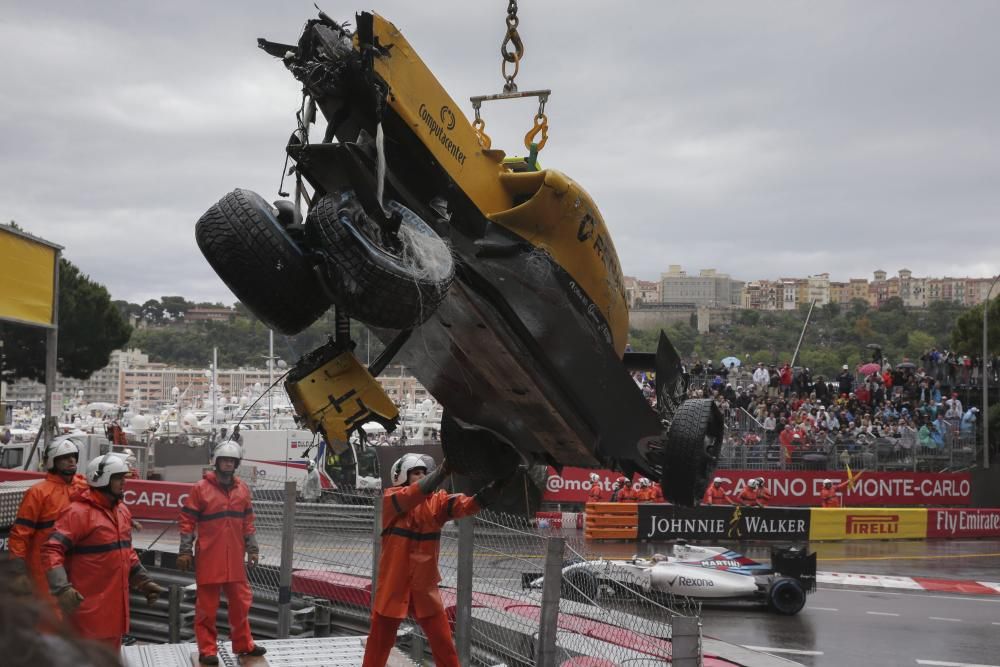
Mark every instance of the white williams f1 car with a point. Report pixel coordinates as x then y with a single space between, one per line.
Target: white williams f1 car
702 573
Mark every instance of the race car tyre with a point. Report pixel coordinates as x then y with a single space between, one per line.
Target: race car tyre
579 586
393 280
259 261
476 453
786 596
691 451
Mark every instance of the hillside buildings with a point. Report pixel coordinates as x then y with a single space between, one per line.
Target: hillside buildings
711 289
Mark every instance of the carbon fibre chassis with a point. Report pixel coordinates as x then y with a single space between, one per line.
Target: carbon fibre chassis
511 348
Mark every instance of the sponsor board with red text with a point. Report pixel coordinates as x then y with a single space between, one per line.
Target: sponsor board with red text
797 488
896 523
951 522
149 500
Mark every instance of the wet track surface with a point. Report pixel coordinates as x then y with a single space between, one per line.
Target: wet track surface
860 627
839 626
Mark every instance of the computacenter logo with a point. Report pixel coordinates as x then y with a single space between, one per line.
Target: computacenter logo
871 524
439 130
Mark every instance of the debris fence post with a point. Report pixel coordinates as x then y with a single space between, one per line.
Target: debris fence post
376 542
174 614
685 641
285 571
548 622
463 605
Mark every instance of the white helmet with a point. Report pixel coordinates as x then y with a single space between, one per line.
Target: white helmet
402 467
59 447
754 483
311 465
717 480
827 481
594 477
644 481
229 450
100 470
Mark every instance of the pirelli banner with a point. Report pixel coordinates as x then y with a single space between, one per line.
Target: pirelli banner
858 523
665 522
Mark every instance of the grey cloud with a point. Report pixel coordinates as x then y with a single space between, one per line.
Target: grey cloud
763 139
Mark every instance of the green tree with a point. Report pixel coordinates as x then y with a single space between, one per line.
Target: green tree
967 334
90 328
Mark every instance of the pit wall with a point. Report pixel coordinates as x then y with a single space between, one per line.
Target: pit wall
626 521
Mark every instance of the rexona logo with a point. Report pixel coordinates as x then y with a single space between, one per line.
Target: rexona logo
691 581
872 524
439 130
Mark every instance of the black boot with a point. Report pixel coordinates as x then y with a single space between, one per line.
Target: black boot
208 659
257 651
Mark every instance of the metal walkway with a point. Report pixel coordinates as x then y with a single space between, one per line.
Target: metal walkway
305 652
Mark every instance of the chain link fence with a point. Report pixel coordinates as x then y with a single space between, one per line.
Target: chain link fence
493 582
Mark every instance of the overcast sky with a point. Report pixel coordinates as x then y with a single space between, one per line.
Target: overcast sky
764 139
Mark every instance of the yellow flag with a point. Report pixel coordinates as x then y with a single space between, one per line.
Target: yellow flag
850 478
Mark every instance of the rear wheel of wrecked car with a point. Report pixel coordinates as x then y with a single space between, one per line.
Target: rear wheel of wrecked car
264 267
476 453
691 450
786 597
385 278
579 586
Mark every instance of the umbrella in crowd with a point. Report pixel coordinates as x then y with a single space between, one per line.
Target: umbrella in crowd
868 369
729 361
906 364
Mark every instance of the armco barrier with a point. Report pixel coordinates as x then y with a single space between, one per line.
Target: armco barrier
612 521
859 523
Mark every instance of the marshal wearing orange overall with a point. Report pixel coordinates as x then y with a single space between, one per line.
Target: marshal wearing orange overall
413 512
36 517
219 508
89 559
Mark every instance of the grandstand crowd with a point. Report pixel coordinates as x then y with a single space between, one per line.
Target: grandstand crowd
779 416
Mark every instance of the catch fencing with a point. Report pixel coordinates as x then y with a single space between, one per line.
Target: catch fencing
519 594
748 446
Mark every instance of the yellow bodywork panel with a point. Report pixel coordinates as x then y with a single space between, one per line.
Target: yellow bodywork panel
560 218
339 396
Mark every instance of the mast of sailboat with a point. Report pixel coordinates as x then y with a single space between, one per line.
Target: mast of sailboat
211 390
795 356
270 375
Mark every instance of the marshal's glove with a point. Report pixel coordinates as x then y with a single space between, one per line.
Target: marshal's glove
151 590
490 494
69 600
185 562
20 583
252 549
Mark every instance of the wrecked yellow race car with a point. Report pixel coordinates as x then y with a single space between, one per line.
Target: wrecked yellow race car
496 283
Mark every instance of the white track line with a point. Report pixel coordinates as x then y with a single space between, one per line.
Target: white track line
835 609
941 663
942 618
994 599
791 651
881 613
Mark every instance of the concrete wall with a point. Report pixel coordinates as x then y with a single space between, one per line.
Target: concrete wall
654 317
